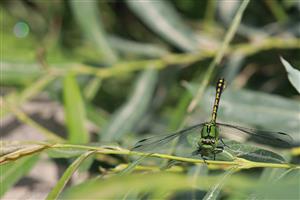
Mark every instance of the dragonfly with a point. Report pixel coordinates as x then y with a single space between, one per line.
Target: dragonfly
210 142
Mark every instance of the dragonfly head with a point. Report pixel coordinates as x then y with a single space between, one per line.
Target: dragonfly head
209 136
210 130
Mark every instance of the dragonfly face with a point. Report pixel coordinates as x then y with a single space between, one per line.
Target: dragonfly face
209 138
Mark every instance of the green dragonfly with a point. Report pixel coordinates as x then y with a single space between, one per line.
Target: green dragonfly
210 143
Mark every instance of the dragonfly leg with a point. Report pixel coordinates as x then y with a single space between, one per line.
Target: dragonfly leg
199 151
224 144
204 159
169 164
217 150
196 152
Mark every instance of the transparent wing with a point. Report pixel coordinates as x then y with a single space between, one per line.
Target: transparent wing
158 141
277 139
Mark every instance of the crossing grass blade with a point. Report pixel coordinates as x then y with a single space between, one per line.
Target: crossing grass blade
55 192
129 114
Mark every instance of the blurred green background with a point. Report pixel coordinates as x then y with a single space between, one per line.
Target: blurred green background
110 72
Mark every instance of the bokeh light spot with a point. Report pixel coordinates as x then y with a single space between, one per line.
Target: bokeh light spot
21 29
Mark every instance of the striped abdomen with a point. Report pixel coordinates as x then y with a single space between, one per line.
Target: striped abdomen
219 89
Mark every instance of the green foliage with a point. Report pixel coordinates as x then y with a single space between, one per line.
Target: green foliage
66 176
125 119
170 27
75 114
12 172
115 72
293 74
88 12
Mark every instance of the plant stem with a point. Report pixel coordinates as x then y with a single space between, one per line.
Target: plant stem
120 68
23 117
240 163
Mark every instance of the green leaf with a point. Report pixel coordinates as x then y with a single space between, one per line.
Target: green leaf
286 187
117 186
129 47
65 152
132 165
55 192
163 19
293 74
96 115
16 99
12 172
214 192
88 18
251 152
74 111
91 89
258 109
126 118
14 73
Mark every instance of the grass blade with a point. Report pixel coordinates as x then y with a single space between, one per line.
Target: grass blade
14 171
214 192
217 59
55 192
74 111
132 165
129 47
162 18
293 74
125 119
16 99
87 15
117 186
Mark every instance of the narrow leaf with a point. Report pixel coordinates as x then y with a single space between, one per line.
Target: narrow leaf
163 19
125 119
220 54
55 192
16 99
65 152
116 187
293 74
11 173
214 192
286 188
14 73
130 47
88 18
251 152
132 165
74 111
